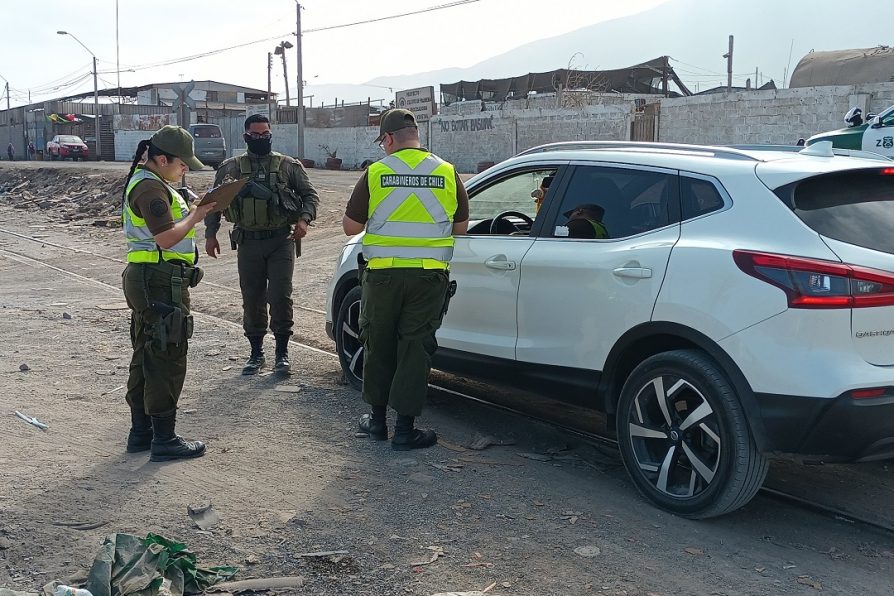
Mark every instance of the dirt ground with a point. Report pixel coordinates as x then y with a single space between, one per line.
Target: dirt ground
544 514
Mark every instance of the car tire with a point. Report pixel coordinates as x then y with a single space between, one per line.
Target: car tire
694 456
347 338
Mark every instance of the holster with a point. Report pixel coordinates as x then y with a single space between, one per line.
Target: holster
235 238
172 326
451 290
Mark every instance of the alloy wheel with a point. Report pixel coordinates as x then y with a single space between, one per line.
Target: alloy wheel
675 438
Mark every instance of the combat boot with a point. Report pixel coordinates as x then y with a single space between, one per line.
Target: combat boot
407 436
140 436
167 445
256 359
282 364
374 424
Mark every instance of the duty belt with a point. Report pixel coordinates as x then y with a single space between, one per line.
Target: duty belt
264 234
181 274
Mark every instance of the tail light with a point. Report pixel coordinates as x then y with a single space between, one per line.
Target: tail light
812 283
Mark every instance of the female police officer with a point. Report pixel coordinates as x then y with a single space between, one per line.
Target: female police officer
161 256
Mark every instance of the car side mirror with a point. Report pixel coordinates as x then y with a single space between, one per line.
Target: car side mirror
875 122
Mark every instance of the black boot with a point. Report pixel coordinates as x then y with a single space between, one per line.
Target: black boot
374 424
167 445
256 359
140 436
407 437
282 364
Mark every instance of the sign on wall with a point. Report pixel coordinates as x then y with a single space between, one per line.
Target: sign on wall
420 101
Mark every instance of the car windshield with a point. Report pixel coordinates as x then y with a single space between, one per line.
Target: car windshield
509 194
71 139
856 207
206 132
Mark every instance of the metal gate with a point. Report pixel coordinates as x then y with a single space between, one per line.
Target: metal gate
644 126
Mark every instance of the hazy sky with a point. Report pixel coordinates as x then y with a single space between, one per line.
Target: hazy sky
34 57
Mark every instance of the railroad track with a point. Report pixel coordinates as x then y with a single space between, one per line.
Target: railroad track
824 510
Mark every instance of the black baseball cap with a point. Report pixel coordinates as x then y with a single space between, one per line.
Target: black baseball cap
394 120
591 207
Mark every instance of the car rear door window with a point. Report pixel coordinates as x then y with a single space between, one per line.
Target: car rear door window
611 202
698 197
856 207
206 132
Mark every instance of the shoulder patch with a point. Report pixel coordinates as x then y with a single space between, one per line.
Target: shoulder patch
158 208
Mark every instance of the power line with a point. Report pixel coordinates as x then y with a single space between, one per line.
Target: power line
396 16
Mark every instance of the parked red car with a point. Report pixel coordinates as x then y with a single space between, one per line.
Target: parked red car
63 146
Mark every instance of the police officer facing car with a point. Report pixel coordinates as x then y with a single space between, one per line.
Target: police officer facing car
411 204
278 196
161 257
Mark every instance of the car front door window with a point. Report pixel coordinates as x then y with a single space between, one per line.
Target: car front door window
498 208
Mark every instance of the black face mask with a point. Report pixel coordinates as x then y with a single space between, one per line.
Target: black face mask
258 146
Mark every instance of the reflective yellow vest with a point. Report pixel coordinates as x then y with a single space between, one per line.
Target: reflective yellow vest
412 201
141 246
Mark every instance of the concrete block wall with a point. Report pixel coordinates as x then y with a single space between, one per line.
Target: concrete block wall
776 116
353 145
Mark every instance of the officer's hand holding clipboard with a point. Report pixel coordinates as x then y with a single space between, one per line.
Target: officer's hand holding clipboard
224 194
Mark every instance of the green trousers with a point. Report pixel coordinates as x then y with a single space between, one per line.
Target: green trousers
266 268
400 311
156 374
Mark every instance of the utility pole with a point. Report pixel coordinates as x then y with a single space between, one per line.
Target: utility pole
117 53
300 97
96 122
270 106
755 78
8 115
729 66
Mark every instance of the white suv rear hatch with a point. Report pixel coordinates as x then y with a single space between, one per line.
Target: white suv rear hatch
853 212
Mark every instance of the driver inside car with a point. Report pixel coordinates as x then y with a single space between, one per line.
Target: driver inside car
585 221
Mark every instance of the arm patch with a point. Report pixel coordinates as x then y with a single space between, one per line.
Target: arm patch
158 208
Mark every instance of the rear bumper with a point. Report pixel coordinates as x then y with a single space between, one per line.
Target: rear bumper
837 429
211 154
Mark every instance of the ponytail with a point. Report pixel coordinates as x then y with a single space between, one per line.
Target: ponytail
142 146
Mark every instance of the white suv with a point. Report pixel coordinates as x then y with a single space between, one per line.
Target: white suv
738 302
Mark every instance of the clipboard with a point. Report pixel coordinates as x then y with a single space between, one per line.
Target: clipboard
224 194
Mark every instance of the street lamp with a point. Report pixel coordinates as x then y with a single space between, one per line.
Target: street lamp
95 92
280 50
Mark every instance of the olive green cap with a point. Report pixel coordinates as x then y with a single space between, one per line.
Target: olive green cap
394 120
177 142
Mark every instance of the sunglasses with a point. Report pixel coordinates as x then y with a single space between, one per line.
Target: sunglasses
257 137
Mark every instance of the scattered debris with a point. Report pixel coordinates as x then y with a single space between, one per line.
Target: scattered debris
33 421
260 584
190 411
118 388
472 593
588 551
83 526
480 442
213 353
535 456
288 388
436 552
66 316
806 580
113 306
327 553
205 517
693 550
24 367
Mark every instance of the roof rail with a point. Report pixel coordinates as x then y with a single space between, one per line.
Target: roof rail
798 149
721 152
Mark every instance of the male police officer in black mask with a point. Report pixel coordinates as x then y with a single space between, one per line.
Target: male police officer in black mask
270 216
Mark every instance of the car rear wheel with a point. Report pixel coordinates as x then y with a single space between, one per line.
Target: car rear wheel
347 338
684 437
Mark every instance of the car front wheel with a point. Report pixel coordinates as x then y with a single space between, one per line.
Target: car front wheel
684 437
347 338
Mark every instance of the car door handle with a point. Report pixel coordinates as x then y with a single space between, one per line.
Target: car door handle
500 263
633 272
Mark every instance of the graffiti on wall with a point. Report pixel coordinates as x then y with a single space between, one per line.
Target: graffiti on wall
467 124
148 122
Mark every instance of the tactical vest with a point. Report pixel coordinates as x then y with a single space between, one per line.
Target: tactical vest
141 246
599 227
253 212
412 201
